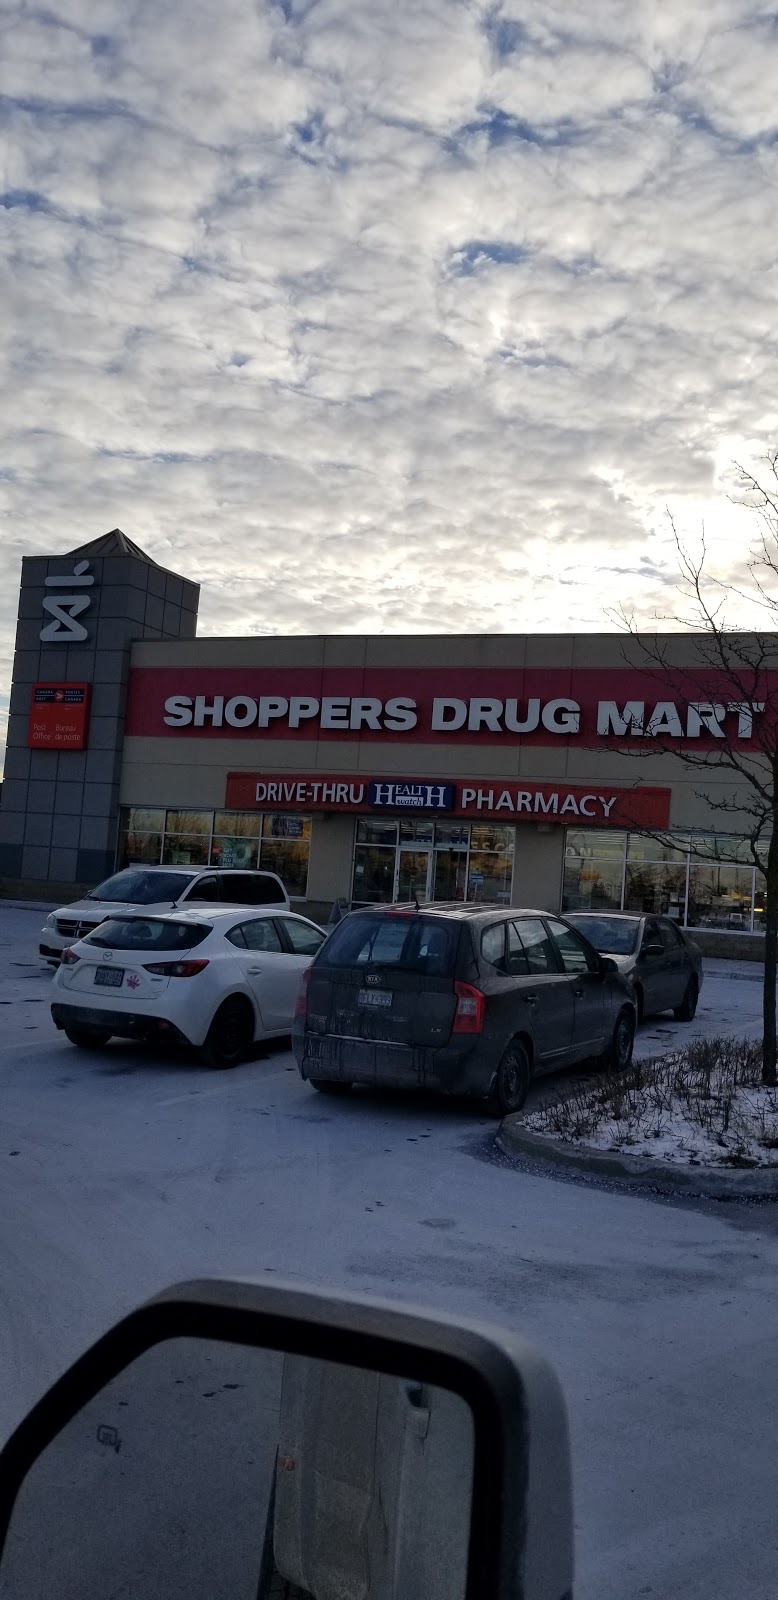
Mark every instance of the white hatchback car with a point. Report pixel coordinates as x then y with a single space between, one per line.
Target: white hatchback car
215 978
153 889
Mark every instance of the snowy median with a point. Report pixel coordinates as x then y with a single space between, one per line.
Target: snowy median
701 1112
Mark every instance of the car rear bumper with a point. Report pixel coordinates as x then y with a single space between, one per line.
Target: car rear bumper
462 1067
124 1024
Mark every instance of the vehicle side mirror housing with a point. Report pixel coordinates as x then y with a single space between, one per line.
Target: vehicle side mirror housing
228 1437
653 949
608 965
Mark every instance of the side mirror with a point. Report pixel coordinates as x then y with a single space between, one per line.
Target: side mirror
652 949
608 964
227 1439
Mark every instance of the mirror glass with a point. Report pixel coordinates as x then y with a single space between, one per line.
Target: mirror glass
211 1471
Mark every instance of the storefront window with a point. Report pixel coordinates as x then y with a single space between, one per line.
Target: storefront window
189 822
374 830
235 840
373 873
140 835
416 830
278 842
448 834
656 886
187 840
720 896
419 858
489 876
186 850
491 836
450 881
640 848
701 881
592 885
284 848
599 846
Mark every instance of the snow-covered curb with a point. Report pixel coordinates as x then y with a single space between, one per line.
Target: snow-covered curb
692 1118
716 1182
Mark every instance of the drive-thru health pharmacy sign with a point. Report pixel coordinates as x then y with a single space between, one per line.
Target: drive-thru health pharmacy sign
509 800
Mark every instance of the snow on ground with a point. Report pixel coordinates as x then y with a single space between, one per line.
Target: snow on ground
122 1172
668 1127
743 1128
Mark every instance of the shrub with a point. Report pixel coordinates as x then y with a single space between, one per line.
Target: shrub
708 1097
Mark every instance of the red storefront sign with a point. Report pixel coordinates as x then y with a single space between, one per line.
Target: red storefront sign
58 716
431 705
509 800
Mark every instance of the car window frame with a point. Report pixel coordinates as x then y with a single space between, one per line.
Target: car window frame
191 896
554 971
262 950
490 927
510 971
645 938
588 949
676 942
256 876
281 919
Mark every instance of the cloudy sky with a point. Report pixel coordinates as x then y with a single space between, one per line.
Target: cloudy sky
387 315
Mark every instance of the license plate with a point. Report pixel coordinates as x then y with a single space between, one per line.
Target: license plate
374 997
109 977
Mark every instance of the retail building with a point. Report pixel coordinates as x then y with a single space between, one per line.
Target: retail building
493 767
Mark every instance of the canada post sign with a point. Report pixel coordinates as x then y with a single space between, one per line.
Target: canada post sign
509 800
402 796
58 716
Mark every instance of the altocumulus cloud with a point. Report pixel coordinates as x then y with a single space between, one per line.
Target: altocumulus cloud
387 314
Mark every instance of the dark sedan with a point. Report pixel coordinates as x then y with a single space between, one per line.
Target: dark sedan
661 962
465 999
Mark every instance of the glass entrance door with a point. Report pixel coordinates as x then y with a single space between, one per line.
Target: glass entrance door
413 873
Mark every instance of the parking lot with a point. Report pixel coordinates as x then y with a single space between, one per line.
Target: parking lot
122 1171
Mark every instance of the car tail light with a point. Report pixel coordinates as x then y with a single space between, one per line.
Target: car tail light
69 957
177 969
301 1006
471 1009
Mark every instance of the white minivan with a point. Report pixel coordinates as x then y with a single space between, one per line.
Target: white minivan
157 889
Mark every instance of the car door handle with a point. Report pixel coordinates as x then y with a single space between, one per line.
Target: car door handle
530 999
254 972
579 994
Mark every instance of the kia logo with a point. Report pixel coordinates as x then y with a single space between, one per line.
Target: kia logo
373 977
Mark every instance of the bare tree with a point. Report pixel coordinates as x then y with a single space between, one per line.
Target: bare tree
725 693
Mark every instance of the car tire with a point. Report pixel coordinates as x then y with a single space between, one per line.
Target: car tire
330 1085
229 1036
511 1081
88 1038
686 1010
618 1055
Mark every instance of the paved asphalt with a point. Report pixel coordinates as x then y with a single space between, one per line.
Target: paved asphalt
121 1172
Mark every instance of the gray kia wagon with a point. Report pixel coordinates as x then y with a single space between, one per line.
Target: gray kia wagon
464 999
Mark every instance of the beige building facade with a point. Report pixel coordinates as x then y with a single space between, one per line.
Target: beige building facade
536 770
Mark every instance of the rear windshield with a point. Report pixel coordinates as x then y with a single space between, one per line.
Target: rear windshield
612 936
405 943
147 933
138 888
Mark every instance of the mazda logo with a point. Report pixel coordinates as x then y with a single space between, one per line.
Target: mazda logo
108 955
